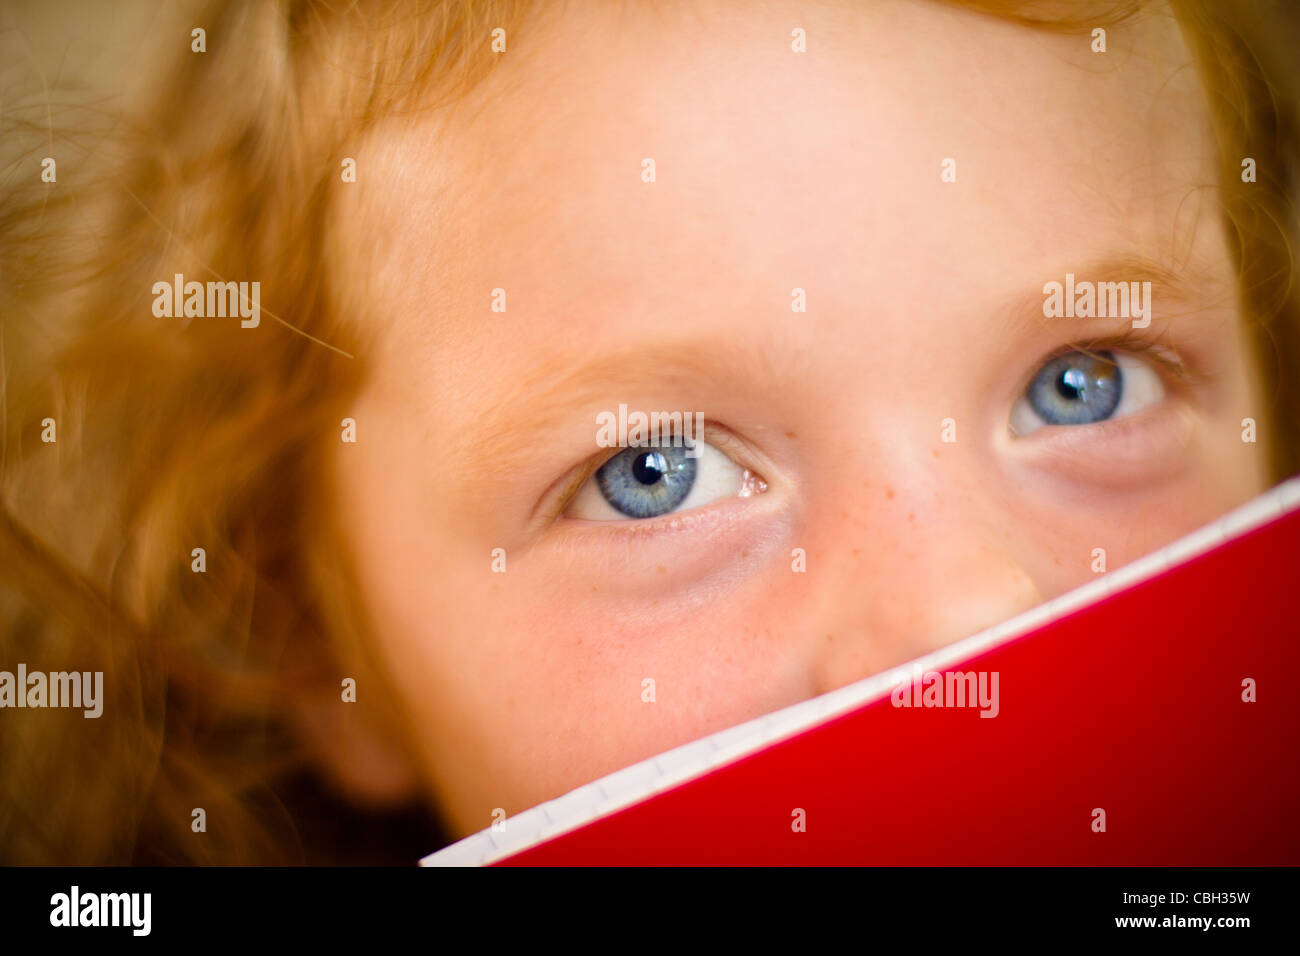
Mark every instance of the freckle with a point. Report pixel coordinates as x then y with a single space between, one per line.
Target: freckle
594 588
889 492
934 452
660 569
791 435
911 516
830 637
857 551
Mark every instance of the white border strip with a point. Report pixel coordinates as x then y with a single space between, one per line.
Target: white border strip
639 781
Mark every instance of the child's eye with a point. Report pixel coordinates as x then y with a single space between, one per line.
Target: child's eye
649 482
1083 388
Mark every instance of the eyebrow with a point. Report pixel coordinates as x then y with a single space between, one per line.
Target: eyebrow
553 390
1186 286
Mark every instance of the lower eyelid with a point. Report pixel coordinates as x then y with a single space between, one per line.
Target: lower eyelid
1140 447
690 555
672 522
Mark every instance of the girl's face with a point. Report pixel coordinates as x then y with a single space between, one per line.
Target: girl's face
922 481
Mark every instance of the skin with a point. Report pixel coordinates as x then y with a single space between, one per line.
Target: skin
775 170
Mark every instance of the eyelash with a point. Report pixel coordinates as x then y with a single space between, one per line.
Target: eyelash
1133 342
735 448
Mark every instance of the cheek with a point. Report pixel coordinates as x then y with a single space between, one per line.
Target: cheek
1061 538
526 683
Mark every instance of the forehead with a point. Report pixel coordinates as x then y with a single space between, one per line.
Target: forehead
777 169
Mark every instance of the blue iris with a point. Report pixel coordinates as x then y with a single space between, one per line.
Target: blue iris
647 482
1077 389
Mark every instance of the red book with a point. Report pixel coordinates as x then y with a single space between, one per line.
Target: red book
1150 717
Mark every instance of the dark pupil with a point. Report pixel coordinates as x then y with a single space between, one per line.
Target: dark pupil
1072 383
649 467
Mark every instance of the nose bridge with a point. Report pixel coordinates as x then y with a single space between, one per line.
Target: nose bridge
913 568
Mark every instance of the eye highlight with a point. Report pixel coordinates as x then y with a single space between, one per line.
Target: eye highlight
647 482
1084 388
